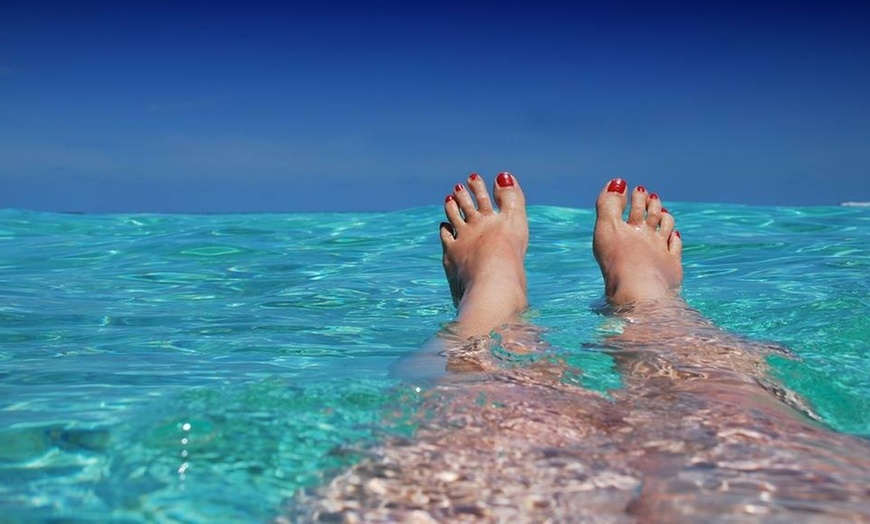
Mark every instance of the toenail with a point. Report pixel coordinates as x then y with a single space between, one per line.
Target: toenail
473 176
617 185
664 210
448 198
653 196
504 179
457 187
677 234
641 189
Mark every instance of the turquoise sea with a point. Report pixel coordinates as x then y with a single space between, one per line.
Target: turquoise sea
172 368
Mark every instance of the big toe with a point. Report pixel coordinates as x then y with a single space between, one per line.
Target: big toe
611 201
508 194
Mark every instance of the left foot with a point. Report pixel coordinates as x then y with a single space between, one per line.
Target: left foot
484 253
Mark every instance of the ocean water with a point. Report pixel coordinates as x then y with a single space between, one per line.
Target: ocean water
159 368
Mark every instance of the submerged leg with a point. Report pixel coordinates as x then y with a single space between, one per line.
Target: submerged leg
640 260
705 425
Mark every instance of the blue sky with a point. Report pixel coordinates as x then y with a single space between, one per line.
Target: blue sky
372 106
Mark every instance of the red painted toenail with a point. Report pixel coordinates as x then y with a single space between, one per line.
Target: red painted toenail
448 198
473 176
664 210
457 188
617 185
653 196
677 234
641 189
504 180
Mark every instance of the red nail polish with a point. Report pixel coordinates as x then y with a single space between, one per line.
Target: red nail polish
677 233
664 210
504 179
641 189
617 185
473 176
653 196
448 198
457 188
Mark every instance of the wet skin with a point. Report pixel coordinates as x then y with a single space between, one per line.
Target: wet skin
698 432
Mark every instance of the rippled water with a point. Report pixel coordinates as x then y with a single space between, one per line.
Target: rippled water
204 368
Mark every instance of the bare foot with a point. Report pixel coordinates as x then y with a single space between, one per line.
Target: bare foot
640 257
484 250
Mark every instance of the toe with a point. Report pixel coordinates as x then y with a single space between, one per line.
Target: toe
638 206
448 234
481 195
464 201
666 226
675 244
451 209
653 211
611 201
508 194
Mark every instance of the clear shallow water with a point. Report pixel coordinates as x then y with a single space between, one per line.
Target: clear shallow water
193 368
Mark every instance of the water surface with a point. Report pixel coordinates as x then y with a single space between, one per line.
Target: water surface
203 368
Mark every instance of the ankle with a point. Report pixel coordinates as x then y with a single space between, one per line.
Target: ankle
505 293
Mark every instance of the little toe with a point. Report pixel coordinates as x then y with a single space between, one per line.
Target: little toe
637 212
611 201
481 195
508 193
464 201
448 234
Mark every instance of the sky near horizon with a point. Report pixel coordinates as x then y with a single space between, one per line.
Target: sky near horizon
378 106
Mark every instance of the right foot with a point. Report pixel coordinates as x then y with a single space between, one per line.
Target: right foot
640 257
484 252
